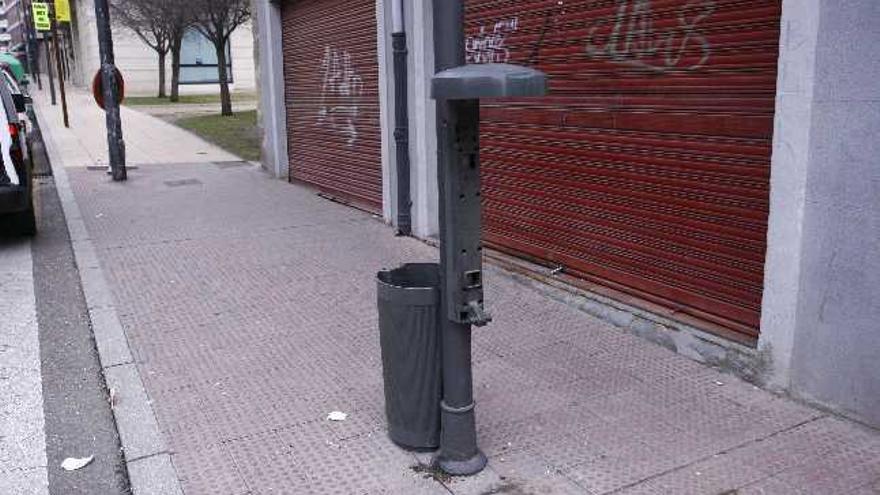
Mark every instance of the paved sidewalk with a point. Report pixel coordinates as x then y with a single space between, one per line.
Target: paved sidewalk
146 138
249 305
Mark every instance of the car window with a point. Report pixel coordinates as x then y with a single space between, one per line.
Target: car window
8 104
13 84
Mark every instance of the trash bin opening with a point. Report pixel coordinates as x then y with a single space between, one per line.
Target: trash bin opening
412 275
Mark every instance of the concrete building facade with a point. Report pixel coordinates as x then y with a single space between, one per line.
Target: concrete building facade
818 335
14 26
139 63
821 317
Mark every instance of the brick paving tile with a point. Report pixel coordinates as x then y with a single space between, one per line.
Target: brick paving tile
250 308
526 472
207 470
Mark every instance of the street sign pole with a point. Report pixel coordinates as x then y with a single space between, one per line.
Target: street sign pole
60 73
42 25
111 92
49 70
35 50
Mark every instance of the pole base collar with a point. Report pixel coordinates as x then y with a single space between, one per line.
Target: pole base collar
467 467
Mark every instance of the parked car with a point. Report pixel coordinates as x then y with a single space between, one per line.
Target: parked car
23 104
16 173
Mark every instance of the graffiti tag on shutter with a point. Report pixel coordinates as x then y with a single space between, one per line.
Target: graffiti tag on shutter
487 48
634 41
341 91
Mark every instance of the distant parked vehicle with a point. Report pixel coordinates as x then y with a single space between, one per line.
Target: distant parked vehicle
14 65
23 105
16 173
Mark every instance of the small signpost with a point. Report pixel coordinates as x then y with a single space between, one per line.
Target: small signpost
42 19
98 87
42 25
110 89
54 25
43 22
62 10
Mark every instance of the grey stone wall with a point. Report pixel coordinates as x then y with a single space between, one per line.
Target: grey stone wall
837 352
821 321
270 63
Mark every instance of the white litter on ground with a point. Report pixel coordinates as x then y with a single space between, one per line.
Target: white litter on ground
337 416
74 464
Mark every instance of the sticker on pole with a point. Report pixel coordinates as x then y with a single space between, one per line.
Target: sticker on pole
98 87
42 21
62 10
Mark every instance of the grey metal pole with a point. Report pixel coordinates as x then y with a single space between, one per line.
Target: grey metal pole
36 62
60 73
401 118
49 70
33 46
457 123
111 92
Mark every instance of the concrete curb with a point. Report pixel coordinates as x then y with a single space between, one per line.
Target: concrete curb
147 458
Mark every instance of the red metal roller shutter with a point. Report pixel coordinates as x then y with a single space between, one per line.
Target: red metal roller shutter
647 168
332 97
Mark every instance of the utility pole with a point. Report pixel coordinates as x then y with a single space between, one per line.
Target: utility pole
457 168
35 61
35 50
111 92
401 117
458 88
33 45
49 70
60 67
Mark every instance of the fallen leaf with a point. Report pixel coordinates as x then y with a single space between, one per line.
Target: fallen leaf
337 416
73 464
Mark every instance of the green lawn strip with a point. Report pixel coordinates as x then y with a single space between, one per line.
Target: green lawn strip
237 134
135 101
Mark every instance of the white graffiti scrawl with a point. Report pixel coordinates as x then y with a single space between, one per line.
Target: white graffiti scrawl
341 91
487 48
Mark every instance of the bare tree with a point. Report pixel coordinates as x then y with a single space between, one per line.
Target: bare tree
217 20
145 19
178 18
161 24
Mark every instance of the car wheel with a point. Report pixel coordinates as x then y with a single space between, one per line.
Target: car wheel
25 222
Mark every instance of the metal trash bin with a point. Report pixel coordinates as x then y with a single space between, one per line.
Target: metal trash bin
409 300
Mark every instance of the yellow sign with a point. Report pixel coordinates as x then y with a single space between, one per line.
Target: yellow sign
42 21
62 10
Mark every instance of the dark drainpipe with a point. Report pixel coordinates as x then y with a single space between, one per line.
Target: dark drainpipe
401 120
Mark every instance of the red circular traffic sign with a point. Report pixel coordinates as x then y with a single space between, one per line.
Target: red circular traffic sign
98 87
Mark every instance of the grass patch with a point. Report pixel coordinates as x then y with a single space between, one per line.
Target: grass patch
237 134
135 101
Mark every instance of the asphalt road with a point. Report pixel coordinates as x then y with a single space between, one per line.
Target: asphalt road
78 419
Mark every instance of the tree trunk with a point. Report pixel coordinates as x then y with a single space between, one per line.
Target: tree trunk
225 97
175 70
162 93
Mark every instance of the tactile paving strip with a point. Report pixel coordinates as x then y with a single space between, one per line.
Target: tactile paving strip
250 308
